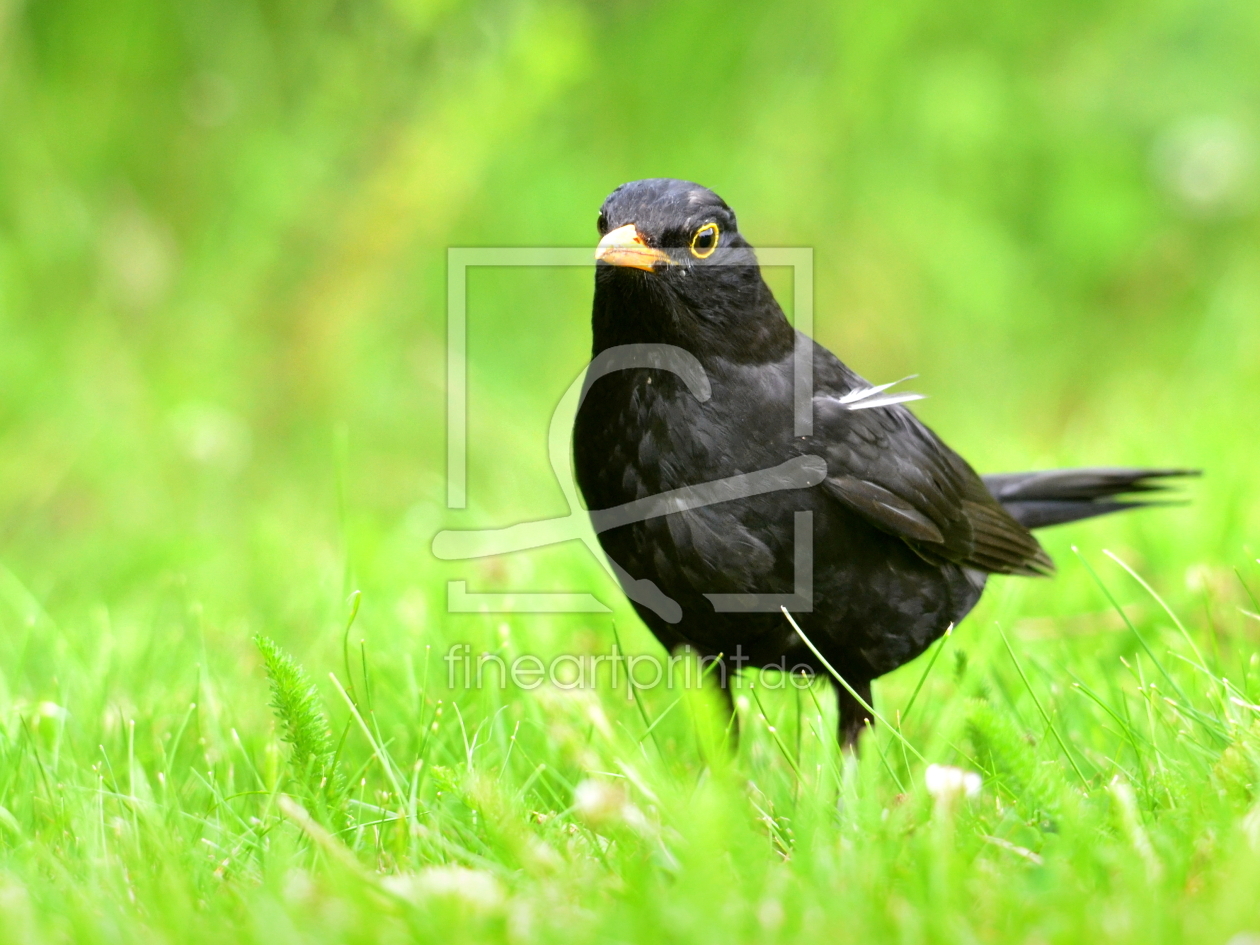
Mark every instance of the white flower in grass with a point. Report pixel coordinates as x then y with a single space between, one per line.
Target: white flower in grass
475 888
770 914
945 782
50 710
600 803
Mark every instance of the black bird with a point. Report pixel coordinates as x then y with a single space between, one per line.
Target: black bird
903 533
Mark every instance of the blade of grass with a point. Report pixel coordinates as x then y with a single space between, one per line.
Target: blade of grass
1125 727
884 758
1159 600
379 752
853 692
634 694
355 598
774 733
835 769
949 631
1204 720
704 674
1247 587
1040 708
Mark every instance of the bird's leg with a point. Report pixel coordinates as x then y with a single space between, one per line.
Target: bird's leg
853 718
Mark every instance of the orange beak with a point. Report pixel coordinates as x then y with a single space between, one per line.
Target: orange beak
625 247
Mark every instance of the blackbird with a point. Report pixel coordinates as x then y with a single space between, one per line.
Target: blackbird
722 489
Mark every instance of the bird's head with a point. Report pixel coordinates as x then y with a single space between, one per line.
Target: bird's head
672 268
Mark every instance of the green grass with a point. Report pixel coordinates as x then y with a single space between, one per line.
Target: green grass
1118 793
222 325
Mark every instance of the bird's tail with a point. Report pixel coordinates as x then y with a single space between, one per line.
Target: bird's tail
1052 497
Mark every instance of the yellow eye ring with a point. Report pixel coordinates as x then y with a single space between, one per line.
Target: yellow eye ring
704 241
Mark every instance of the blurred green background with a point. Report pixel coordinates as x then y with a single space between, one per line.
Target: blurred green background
223 235
222 266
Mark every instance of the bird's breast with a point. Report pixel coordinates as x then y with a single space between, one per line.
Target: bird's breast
641 433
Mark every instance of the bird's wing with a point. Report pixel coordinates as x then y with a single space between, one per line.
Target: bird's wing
889 468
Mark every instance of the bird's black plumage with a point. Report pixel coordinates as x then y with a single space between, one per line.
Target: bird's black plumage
904 532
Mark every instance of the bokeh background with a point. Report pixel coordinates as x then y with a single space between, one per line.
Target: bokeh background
223 232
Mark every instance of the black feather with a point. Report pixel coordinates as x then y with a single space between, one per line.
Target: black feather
1058 496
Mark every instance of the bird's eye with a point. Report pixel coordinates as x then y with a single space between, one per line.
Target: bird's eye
602 224
704 241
